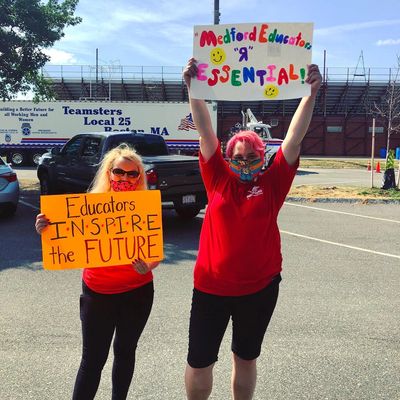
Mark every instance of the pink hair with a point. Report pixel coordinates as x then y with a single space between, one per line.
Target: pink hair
249 137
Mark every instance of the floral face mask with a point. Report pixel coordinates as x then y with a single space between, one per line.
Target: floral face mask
123 186
246 170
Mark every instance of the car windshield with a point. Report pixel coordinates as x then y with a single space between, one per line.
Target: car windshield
148 145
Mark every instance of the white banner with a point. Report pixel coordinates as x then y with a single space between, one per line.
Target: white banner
29 124
260 61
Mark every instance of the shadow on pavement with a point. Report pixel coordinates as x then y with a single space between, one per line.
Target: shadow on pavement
181 237
20 245
305 172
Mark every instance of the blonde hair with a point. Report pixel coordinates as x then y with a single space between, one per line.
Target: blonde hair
101 181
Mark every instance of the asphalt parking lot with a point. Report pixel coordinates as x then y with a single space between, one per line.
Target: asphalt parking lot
335 333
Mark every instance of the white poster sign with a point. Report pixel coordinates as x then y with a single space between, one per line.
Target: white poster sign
260 61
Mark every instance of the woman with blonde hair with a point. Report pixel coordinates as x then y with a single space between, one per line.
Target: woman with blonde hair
114 300
102 184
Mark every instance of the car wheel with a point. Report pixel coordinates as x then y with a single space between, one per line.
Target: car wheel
17 158
45 185
188 212
35 158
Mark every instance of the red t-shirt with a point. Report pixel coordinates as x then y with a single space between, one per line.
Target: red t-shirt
118 279
240 247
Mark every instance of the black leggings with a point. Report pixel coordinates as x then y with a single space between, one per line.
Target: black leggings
125 314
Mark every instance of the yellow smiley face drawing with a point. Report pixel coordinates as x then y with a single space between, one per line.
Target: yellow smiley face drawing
271 91
217 56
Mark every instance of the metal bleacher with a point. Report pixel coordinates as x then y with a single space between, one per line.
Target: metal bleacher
344 91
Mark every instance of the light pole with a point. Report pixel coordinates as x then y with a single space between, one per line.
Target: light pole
216 12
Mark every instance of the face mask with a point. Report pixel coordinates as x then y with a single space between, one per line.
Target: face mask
246 170
123 186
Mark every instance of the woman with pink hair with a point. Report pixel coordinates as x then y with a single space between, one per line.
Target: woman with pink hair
237 272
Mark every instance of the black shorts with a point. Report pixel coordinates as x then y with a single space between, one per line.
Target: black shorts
209 318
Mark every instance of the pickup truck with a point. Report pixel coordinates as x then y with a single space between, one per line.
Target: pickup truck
71 169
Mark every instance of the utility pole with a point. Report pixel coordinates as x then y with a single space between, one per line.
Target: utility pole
372 152
217 14
97 72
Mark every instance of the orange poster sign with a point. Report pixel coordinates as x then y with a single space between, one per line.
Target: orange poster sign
101 229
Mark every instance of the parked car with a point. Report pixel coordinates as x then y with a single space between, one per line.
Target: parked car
72 169
9 189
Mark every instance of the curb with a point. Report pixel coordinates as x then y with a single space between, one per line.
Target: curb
342 200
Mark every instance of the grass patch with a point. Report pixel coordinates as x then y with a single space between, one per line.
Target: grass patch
342 164
28 185
379 193
345 192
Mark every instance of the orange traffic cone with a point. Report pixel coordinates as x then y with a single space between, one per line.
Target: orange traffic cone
369 166
378 167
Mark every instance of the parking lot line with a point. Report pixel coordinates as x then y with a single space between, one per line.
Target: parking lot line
28 205
341 244
342 212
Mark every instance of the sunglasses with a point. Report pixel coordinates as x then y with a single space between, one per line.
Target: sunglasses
121 172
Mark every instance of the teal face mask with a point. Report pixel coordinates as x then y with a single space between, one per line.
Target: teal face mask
246 170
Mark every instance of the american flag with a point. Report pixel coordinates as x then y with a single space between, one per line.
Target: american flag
187 123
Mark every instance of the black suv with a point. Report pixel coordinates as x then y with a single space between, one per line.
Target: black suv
71 169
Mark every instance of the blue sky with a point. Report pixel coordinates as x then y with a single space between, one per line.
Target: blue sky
159 33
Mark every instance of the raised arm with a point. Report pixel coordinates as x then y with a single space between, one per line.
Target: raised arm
201 116
302 117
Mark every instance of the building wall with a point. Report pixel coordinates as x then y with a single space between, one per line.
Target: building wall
327 136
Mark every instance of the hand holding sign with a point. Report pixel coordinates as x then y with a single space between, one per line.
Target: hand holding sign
141 267
264 61
190 71
41 223
314 78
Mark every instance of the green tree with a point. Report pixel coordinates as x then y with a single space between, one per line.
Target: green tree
390 160
27 27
